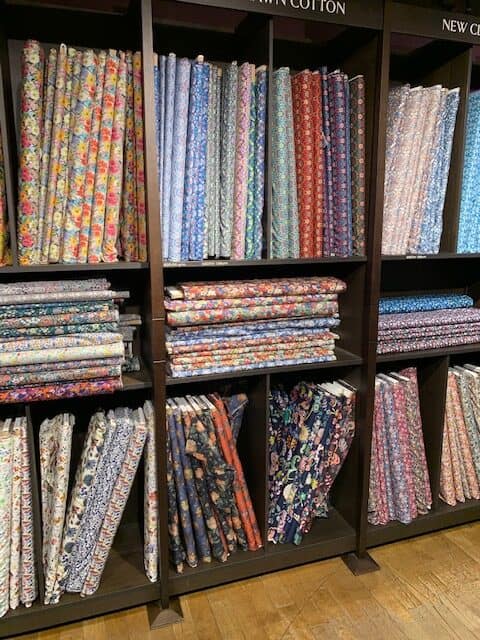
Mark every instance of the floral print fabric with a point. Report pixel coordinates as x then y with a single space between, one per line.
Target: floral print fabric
311 430
213 328
210 510
420 130
211 152
404 325
460 468
61 339
74 136
17 563
399 479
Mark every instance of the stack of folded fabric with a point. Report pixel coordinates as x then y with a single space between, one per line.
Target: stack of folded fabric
460 470
17 563
59 340
5 255
128 327
81 179
310 433
318 172
211 157
216 327
420 130
77 540
413 323
399 480
210 513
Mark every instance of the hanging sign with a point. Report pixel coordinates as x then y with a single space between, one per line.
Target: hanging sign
349 12
432 23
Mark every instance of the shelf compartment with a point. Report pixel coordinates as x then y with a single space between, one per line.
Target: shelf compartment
74 268
327 538
344 359
442 517
262 263
430 353
123 585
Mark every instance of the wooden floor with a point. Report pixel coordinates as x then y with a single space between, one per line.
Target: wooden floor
427 588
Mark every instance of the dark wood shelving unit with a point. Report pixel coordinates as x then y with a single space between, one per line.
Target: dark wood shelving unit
383 41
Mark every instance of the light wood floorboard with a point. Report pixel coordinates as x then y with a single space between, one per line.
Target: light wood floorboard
428 589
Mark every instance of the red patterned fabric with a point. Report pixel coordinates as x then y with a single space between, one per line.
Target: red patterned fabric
318 165
304 141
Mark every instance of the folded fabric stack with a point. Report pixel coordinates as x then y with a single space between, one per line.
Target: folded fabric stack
420 130
460 470
59 340
216 327
469 225
210 513
5 255
211 157
318 172
310 433
128 324
77 540
413 323
399 480
81 177
18 583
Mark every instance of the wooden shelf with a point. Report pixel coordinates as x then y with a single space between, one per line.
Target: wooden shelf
430 353
344 359
262 263
73 268
442 517
124 584
136 381
437 256
328 537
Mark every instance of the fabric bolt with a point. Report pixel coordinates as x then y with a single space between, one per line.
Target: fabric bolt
116 505
28 591
91 163
175 541
151 552
82 124
191 161
341 184
47 126
30 152
82 487
241 160
318 164
128 224
97 224
180 128
115 168
429 302
119 430
253 248
58 167
358 151
227 164
56 376
168 149
302 89
249 214
328 240
159 70
16 518
54 391
6 462
55 443
468 234
139 157
192 305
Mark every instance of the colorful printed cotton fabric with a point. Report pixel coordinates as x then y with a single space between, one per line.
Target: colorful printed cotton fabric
17 565
399 480
74 137
460 469
60 339
420 130
414 323
311 430
214 513
226 326
211 152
